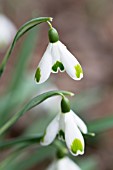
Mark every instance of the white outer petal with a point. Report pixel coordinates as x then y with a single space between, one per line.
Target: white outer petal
55 54
71 133
45 64
62 122
51 131
67 164
69 62
79 122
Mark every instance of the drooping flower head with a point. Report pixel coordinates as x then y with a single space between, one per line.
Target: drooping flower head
64 164
68 126
57 58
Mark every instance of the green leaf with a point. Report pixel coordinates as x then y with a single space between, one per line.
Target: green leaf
89 163
24 58
39 125
18 78
26 27
101 125
17 153
29 160
86 99
32 103
25 140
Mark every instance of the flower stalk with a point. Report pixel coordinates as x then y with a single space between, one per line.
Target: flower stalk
32 103
23 29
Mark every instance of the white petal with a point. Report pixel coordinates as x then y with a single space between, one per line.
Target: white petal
52 166
73 136
82 126
72 66
67 164
56 58
62 127
51 131
55 54
44 67
62 122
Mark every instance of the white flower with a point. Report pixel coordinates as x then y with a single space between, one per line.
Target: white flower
64 164
7 31
57 57
68 126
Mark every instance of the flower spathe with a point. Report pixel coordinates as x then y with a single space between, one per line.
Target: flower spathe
58 58
64 164
68 127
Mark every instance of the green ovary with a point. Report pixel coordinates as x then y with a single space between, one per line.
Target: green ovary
76 146
57 65
61 134
38 74
79 70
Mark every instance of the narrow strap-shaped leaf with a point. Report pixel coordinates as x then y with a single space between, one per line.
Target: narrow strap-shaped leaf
16 81
27 140
101 125
26 27
32 103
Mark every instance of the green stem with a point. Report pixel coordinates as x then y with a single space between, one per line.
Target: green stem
32 103
26 27
50 25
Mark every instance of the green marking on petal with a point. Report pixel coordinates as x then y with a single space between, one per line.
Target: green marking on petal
79 70
76 146
38 74
57 65
61 134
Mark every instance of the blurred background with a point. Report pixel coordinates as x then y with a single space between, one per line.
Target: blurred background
86 28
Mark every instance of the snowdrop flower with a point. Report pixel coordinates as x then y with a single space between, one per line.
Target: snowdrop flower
64 164
7 31
57 58
68 126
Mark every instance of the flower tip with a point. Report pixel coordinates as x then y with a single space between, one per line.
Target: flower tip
77 153
72 94
77 147
91 134
79 72
43 142
51 19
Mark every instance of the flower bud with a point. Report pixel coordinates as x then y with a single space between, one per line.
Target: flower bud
53 35
65 105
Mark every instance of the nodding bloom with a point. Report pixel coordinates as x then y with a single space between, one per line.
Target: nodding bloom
64 164
57 58
7 31
68 126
